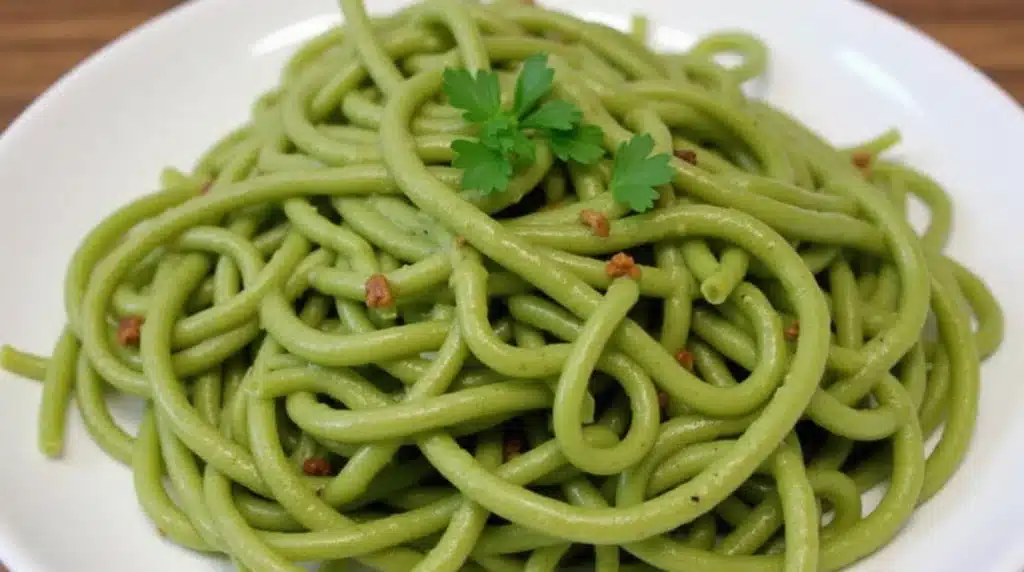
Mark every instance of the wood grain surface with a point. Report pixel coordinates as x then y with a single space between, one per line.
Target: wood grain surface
42 39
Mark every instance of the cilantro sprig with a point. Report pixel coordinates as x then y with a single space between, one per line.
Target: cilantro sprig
507 138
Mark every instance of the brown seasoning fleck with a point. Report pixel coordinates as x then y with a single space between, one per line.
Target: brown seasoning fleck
513 447
622 265
597 221
316 467
688 155
685 359
129 330
793 331
378 292
862 159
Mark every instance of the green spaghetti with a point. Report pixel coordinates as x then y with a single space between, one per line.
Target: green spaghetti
597 309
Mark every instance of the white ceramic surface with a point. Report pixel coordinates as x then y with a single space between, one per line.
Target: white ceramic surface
159 95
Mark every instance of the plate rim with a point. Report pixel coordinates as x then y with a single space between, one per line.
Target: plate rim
181 14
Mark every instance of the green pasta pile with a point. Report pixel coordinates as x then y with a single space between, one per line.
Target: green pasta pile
349 347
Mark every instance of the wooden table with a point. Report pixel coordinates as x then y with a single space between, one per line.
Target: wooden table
42 39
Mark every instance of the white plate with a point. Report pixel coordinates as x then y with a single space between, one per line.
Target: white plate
162 93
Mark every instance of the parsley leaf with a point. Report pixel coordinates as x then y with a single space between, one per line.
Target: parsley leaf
486 170
581 144
494 131
522 148
478 96
504 136
507 136
533 83
634 174
555 114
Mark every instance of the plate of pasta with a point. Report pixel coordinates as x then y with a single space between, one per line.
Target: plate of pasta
449 285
